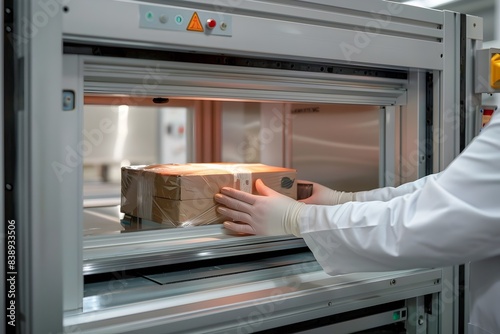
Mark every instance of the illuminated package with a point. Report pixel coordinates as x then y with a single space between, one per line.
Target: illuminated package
182 195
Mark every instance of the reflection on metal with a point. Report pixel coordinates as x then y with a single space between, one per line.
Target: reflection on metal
102 220
278 296
108 253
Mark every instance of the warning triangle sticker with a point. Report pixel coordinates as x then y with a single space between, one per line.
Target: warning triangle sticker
195 24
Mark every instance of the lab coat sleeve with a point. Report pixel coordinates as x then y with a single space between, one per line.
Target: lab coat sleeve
388 193
451 219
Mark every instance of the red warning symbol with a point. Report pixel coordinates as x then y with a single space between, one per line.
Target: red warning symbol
195 24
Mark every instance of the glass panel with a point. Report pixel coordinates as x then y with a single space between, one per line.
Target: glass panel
122 135
116 136
240 131
336 145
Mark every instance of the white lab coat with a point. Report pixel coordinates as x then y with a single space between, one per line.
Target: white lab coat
444 219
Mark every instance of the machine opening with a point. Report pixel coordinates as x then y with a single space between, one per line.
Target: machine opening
336 145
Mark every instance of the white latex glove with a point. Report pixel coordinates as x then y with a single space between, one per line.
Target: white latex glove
269 213
322 195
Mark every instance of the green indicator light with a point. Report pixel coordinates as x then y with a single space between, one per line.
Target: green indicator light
149 16
396 316
178 19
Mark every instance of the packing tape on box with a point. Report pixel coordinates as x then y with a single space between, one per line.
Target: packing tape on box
245 181
242 175
144 196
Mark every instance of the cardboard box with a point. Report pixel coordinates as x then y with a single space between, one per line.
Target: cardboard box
183 194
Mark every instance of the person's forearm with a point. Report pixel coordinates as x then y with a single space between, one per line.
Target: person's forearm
388 193
428 228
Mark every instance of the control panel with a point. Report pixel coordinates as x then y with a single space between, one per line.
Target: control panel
185 20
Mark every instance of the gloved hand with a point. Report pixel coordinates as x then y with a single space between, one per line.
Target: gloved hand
322 195
271 213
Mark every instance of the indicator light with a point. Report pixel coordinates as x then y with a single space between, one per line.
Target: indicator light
211 23
179 19
149 16
396 316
